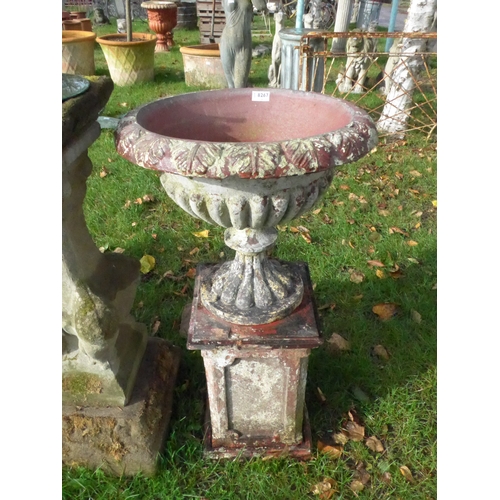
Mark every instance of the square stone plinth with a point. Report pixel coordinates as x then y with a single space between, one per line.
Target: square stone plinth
256 378
126 440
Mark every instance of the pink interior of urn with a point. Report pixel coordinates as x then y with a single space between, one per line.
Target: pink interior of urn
235 116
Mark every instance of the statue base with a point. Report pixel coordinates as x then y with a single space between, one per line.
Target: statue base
251 448
126 440
256 378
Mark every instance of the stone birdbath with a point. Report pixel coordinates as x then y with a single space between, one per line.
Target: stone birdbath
248 160
247 163
162 18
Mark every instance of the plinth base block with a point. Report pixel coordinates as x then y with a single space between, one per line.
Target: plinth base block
297 330
126 440
249 448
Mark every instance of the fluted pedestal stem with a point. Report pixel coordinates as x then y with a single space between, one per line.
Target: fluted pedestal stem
252 289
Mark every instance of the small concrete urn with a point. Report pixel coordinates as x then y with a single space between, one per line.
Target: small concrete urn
162 17
225 161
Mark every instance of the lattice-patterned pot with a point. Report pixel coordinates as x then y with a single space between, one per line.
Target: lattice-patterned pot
78 52
129 62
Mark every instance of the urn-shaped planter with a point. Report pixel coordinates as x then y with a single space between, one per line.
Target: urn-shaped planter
162 18
78 52
129 62
225 161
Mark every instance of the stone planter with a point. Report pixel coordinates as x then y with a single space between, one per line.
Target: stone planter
78 52
310 76
162 18
129 62
224 160
203 66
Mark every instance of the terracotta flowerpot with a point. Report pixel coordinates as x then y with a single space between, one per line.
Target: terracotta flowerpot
129 62
72 24
78 15
162 18
86 24
203 66
78 52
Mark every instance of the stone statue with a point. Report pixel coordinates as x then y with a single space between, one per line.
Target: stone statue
274 69
308 20
236 40
391 64
102 343
121 25
359 50
99 17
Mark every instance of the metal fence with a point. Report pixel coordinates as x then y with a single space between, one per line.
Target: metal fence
400 83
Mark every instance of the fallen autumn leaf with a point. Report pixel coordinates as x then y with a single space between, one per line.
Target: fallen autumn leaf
147 263
202 234
154 329
375 263
374 444
381 352
355 431
416 316
325 487
357 277
386 310
357 486
338 342
333 451
407 473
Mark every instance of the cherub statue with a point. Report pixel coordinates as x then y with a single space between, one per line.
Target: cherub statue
359 56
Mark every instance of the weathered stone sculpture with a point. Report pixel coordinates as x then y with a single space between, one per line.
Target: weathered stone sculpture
359 50
273 73
117 385
100 17
102 344
236 40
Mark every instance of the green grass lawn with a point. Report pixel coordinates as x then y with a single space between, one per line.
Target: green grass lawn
372 241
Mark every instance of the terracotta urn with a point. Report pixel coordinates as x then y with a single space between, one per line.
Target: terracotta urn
162 18
247 160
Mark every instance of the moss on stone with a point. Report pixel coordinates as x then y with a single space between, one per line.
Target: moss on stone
81 384
80 111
